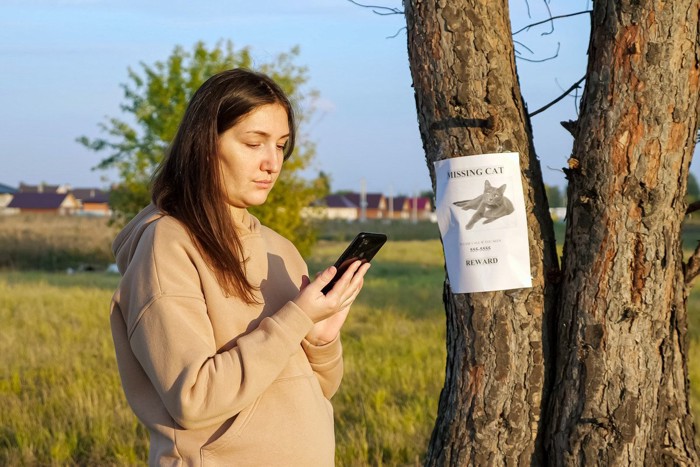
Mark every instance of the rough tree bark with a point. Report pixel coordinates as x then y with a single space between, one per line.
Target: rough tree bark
468 102
621 395
617 390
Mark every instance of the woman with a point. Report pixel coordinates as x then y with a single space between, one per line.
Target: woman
227 352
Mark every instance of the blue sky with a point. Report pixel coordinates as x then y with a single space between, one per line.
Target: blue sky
63 61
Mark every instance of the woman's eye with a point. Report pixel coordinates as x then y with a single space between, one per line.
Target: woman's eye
253 145
280 147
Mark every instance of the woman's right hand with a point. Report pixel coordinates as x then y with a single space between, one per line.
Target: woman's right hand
319 306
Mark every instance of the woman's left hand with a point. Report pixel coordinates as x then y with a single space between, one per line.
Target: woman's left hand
326 330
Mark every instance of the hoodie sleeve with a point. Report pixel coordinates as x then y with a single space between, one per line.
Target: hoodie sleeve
327 363
326 360
173 342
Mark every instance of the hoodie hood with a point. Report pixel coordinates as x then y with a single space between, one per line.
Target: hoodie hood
127 240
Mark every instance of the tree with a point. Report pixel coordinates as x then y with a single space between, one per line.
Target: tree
155 100
554 197
589 366
693 192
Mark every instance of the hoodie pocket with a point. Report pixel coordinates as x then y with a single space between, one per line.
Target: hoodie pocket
290 423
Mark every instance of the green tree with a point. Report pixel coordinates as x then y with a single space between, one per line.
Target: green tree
692 193
155 98
554 196
323 184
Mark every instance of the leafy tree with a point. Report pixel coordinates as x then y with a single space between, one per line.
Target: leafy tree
155 98
323 184
692 194
554 196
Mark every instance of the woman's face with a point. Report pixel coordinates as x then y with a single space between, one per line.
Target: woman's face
251 154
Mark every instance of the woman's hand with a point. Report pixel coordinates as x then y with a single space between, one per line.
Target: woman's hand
329 311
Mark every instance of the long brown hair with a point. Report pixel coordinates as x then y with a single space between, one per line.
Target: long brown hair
188 185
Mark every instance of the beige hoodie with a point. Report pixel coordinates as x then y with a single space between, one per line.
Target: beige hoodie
218 381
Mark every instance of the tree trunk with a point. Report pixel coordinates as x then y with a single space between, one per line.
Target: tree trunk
620 397
468 102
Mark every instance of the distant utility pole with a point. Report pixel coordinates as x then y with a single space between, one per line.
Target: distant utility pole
363 200
414 211
391 203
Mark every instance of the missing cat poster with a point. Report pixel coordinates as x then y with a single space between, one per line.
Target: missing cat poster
481 215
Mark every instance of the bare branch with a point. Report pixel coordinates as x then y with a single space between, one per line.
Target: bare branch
556 54
692 207
379 10
571 126
692 267
549 12
523 46
551 18
397 33
566 93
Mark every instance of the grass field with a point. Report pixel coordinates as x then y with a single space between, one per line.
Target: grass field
61 401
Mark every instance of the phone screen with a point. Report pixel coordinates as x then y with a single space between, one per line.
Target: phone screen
363 247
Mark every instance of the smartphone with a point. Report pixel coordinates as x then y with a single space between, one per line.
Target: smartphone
363 247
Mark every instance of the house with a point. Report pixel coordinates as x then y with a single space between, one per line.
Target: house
44 203
375 205
347 206
43 188
93 201
418 208
402 207
6 194
339 207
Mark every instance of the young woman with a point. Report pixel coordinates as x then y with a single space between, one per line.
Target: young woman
227 352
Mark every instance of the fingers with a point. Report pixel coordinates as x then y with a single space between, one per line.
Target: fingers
345 280
319 306
350 292
324 277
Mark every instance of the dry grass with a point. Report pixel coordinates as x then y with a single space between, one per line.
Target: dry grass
54 243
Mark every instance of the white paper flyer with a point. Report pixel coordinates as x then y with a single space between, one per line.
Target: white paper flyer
481 215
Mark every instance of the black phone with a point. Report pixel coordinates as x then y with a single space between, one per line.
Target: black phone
363 247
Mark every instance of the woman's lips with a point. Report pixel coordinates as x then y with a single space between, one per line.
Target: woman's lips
263 183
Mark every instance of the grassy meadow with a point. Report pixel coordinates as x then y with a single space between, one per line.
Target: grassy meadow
61 400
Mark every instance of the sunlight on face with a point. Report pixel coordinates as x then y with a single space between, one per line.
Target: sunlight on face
251 155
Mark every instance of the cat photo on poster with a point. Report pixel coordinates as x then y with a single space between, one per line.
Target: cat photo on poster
490 209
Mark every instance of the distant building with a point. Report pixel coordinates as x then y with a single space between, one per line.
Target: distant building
403 208
375 205
338 207
558 214
90 201
93 201
347 206
6 194
43 188
44 203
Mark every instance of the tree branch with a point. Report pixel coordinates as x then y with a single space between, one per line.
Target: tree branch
692 207
551 18
566 93
556 54
380 10
397 33
692 267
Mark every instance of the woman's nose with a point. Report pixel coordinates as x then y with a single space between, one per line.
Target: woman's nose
272 160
